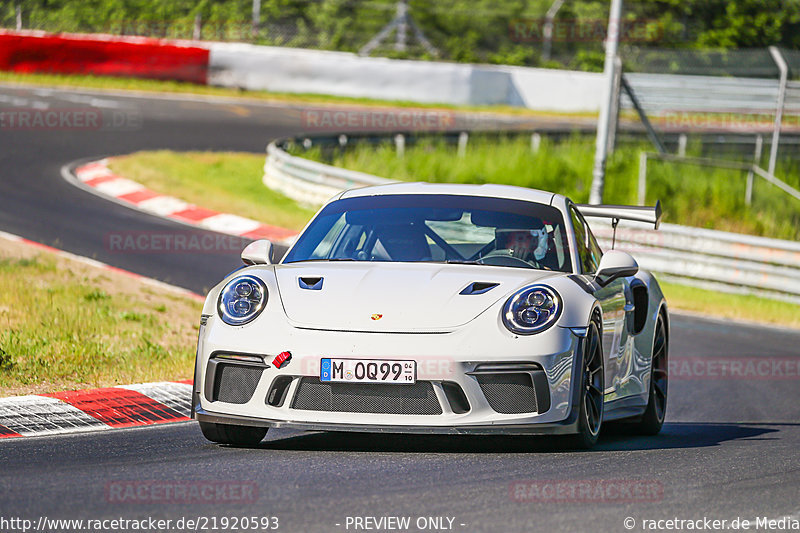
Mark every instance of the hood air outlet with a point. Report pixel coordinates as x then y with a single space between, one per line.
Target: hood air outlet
478 287
311 284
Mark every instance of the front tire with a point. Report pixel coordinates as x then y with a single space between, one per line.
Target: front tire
230 434
592 385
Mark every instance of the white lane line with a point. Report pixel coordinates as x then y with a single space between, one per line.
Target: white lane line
92 101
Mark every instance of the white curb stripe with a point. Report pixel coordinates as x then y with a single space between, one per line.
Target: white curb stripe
118 187
163 205
230 224
177 396
40 415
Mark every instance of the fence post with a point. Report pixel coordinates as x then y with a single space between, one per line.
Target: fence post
642 177
400 144
605 119
256 22
536 142
463 138
748 193
776 133
682 140
19 17
198 27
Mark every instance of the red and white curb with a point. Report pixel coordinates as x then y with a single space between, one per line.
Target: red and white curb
98 178
104 266
95 409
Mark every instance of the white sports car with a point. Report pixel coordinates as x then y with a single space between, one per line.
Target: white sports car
431 308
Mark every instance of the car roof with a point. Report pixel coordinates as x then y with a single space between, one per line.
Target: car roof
489 190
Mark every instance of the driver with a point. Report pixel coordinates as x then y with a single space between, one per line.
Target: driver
526 244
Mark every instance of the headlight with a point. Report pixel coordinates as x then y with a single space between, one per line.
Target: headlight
241 300
531 310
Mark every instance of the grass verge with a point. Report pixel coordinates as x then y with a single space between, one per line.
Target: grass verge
226 182
733 306
65 325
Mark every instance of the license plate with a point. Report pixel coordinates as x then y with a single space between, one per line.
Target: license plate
368 371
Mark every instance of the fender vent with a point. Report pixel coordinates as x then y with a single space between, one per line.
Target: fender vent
478 287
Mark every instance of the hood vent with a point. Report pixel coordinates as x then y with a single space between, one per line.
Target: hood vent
311 284
478 287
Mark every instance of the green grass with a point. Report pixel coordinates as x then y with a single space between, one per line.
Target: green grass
733 306
225 182
64 326
692 196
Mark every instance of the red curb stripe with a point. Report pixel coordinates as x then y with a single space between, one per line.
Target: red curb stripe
94 182
119 407
6 433
194 214
137 197
269 232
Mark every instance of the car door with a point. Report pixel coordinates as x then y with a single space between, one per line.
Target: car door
614 303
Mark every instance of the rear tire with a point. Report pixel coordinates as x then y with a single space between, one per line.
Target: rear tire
230 434
653 418
592 384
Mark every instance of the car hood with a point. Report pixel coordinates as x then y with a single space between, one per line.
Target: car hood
392 297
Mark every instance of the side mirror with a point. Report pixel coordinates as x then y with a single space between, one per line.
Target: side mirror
615 264
258 253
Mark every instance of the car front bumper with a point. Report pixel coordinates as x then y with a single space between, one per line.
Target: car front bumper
555 356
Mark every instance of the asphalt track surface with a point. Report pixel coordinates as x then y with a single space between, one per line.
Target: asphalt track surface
729 448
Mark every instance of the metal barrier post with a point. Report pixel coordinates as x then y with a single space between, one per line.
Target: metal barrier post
748 193
642 177
776 133
463 138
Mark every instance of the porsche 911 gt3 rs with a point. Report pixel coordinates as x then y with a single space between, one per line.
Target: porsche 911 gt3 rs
433 308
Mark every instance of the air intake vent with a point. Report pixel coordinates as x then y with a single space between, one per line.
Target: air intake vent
478 287
277 392
235 383
509 393
416 399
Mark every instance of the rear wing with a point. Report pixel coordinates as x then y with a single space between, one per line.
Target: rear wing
650 215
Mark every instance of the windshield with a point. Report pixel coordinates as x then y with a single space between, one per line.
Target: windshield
437 228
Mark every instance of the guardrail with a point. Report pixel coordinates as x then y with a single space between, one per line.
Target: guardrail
724 261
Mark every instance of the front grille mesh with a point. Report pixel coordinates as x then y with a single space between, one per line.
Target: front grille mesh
236 383
509 392
416 399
